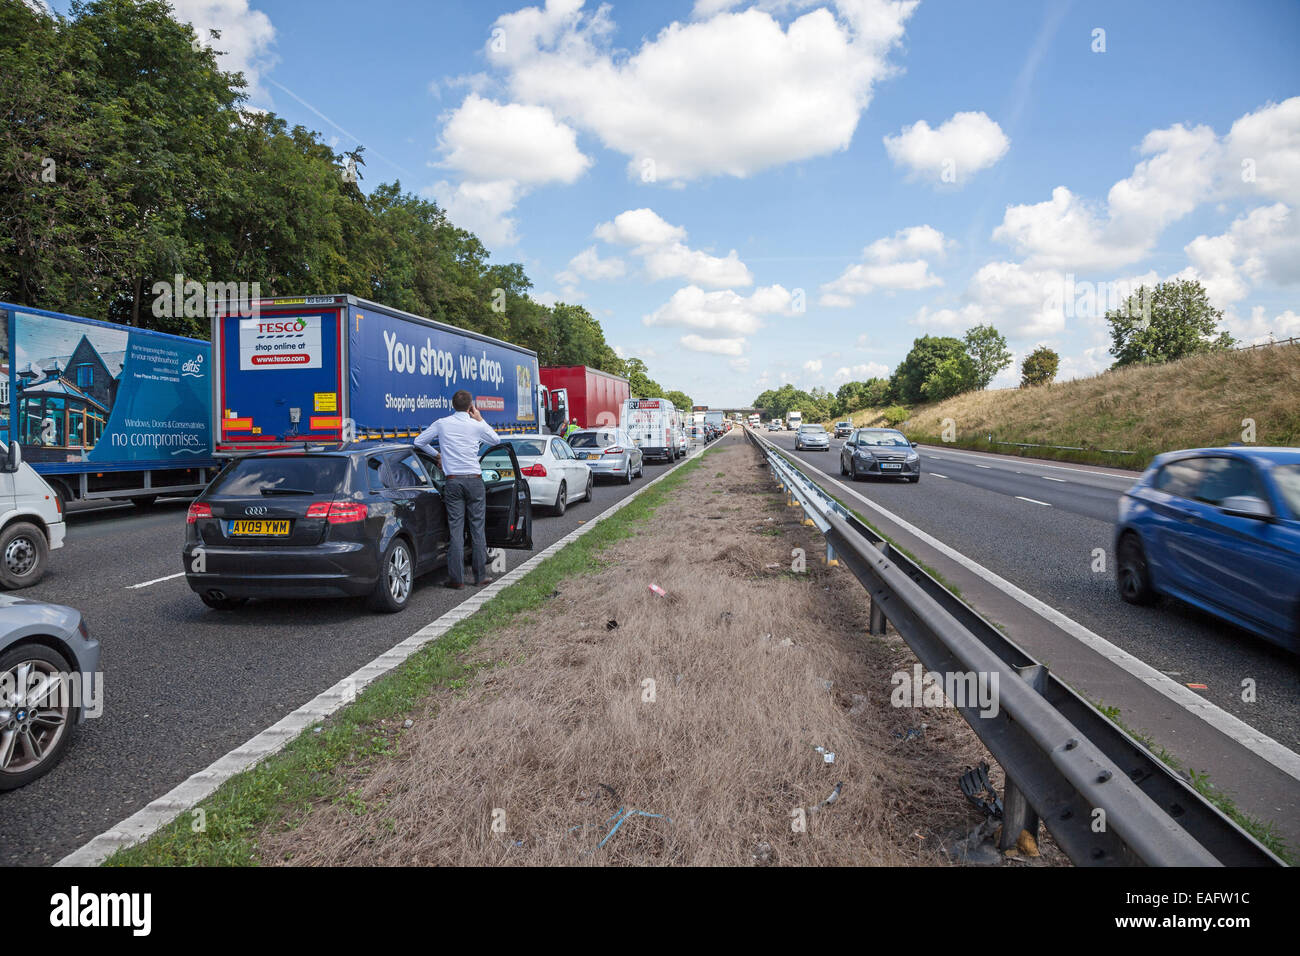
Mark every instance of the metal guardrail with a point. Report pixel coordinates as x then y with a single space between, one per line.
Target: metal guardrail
1104 797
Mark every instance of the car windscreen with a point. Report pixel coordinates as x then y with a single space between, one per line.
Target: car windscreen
812 429
598 439
884 439
1287 479
282 475
527 448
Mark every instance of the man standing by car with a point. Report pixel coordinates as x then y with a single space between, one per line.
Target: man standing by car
459 436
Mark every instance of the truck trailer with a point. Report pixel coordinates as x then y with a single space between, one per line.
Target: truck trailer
334 368
588 396
106 411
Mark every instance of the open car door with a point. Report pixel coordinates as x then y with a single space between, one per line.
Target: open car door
509 521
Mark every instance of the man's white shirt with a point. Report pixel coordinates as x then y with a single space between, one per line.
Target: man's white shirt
458 438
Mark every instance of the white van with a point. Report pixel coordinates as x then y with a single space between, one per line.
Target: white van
650 422
31 521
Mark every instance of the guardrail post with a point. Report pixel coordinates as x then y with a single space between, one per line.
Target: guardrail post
877 612
1017 814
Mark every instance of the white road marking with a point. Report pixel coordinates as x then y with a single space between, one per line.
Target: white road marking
158 813
1050 478
1039 464
935 474
1260 744
145 584
1034 501
984 466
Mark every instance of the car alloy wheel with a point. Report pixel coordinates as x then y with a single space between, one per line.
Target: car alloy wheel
36 712
398 573
1132 576
561 501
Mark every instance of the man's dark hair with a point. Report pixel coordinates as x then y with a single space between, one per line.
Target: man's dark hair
462 400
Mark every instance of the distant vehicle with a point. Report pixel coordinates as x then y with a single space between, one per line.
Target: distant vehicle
880 452
843 429
793 420
556 477
609 453
812 437
755 420
48 663
696 433
652 423
31 521
1217 528
774 425
363 520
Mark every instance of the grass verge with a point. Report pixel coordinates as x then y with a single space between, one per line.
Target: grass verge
303 772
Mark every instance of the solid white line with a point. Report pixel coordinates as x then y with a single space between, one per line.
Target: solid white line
1050 478
984 466
1263 746
1034 501
1040 464
158 813
145 584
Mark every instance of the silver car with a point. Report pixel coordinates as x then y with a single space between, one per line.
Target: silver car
609 453
48 665
812 437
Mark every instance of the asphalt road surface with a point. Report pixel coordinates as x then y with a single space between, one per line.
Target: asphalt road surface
184 685
1037 525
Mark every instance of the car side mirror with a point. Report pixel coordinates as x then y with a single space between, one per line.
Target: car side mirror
13 458
913 444
1246 506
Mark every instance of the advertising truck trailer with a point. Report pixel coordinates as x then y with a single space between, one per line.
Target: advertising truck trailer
105 411
589 396
333 368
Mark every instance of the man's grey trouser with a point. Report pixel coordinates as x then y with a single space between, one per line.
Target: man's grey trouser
464 494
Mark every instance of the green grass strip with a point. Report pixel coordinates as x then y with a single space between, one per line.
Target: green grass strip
222 830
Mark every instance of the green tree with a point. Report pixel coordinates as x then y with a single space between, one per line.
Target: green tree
924 359
1171 321
952 376
988 351
1039 367
679 399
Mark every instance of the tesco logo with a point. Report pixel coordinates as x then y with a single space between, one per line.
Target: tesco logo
264 328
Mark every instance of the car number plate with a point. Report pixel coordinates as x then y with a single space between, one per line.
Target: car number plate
259 528
891 466
593 456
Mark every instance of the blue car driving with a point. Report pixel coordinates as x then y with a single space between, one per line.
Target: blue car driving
1218 528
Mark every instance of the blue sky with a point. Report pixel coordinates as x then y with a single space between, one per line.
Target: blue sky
752 193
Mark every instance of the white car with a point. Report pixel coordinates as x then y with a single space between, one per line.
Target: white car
31 521
555 475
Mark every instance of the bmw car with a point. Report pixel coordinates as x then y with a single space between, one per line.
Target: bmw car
361 520
1217 528
609 453
880 453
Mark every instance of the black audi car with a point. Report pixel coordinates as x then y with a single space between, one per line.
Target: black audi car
360 520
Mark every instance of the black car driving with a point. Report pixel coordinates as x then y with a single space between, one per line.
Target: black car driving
364 519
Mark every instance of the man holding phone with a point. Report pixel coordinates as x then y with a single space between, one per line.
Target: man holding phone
459 436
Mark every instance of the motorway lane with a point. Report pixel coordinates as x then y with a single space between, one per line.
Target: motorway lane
980 508
185 685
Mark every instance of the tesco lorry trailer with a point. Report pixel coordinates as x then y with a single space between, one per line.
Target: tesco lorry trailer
334 368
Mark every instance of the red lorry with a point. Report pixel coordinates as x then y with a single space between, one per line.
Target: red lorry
588 396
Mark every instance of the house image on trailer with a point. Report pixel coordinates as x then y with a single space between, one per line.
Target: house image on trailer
63 401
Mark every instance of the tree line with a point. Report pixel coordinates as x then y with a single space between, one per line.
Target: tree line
1153 325
128 157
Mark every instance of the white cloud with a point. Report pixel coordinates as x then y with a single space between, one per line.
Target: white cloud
665 254
1262 153
697 343
882 268
1260 327
731 94
1260 246
484 140
724 311
481 207
246 36
952 153
739 365
860 373
589 265
812 365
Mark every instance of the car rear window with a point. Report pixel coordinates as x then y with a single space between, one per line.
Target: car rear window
1179 477
283 475
1287 479
1227 478
597 439
524 448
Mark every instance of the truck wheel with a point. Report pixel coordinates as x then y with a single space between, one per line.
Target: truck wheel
396 577
23 554
43 730
561 501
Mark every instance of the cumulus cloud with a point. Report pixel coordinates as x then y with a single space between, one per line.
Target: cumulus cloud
951 153
860 373
697 343
589 265
1262 245
812 365
1262 327
246 36
886 265
481 207
724 311
731 93
664 252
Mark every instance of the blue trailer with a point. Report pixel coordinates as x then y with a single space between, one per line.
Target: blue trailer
106 411
333 368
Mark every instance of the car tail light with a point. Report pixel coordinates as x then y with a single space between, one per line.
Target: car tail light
338 512
614 450
534 471
199 509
